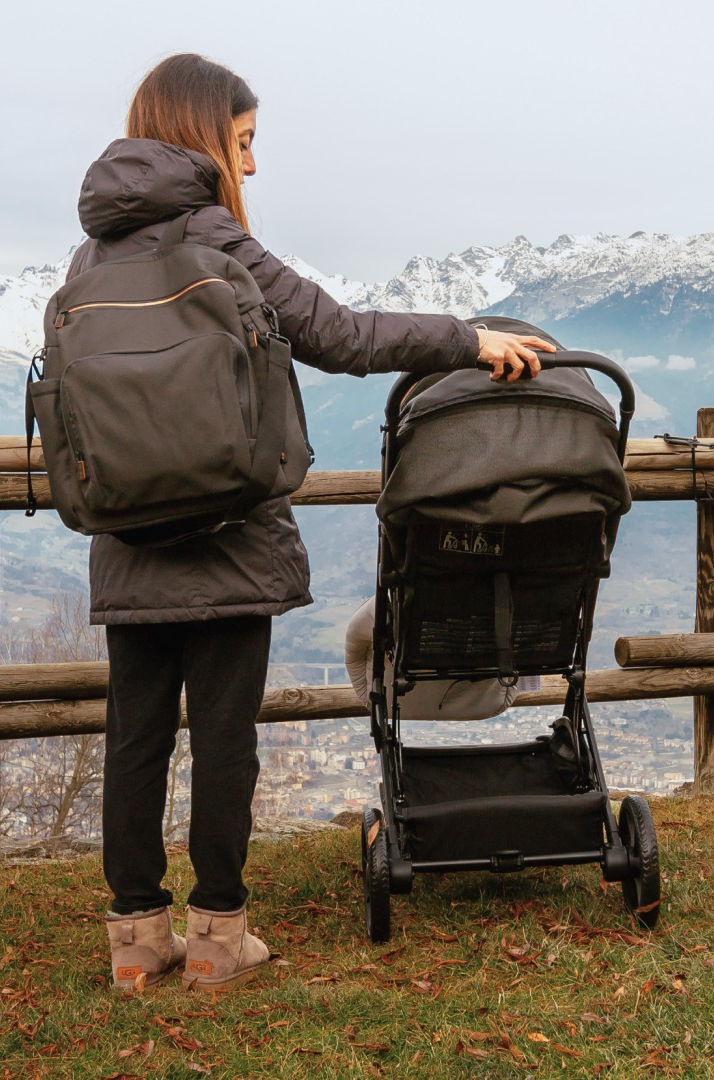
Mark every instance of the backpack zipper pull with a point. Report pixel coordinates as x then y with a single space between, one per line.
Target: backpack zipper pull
253 331
60 320
81 466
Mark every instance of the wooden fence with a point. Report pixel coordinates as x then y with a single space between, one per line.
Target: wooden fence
62 699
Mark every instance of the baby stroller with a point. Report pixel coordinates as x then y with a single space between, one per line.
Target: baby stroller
499 510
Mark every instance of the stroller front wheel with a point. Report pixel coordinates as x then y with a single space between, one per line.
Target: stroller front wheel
375 875
642 889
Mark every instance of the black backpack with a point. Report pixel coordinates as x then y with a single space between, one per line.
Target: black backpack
167 402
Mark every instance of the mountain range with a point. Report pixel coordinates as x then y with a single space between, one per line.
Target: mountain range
646 300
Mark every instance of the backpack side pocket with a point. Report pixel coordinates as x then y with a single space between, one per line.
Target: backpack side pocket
59 460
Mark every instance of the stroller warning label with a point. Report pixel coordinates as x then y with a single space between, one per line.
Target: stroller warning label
472 539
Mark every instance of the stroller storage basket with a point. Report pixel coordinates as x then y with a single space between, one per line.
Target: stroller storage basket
475 802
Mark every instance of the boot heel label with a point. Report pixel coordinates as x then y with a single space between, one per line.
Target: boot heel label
201 967
129 972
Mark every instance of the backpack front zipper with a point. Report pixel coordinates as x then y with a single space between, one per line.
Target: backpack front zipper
62 316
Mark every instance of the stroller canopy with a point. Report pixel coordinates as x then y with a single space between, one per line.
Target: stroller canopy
475 451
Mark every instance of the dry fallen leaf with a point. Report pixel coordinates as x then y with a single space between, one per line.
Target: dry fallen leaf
566 1050
389 957
129 1051
373 834
538 1037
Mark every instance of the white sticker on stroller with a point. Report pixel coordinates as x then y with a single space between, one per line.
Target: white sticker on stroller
472 539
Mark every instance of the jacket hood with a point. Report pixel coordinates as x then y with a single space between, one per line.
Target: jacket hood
137 182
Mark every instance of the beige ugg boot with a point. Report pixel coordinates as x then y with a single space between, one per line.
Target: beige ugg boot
144 942
221 953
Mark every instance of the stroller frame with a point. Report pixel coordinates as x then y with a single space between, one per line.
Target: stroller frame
629 851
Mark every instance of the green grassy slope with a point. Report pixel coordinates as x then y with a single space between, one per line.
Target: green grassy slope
538 974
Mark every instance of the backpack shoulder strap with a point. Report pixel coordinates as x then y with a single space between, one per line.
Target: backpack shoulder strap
300 409
271 427
174 232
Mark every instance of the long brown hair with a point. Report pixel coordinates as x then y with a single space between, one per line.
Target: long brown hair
189 101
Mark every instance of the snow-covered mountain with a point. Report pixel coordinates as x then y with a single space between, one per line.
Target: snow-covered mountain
573 274
669 276
647 300
22 304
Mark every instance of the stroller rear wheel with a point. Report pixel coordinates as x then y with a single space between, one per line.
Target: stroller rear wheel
642 890
375 875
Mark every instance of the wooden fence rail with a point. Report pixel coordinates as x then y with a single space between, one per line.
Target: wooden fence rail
75 696
664 650
643 455
654 471
353 487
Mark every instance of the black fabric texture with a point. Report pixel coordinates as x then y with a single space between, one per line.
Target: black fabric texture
470 802
223 664
448 617
447 774
479 828
555 458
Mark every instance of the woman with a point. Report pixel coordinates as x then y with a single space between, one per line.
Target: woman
199 613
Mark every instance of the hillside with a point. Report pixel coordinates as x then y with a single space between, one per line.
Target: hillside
541 974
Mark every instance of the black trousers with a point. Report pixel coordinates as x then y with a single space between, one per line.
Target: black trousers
223 664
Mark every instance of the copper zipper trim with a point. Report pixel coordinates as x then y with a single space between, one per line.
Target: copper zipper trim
59 321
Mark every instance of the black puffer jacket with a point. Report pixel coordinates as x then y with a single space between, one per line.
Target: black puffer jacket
128 195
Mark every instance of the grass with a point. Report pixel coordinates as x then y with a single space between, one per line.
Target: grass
542 973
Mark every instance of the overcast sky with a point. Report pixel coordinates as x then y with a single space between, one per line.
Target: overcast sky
385 128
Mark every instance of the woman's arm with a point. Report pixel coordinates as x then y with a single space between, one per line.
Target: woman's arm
334 338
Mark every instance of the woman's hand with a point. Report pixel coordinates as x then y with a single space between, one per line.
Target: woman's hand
498 349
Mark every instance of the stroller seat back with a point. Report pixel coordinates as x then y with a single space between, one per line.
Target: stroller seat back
496 599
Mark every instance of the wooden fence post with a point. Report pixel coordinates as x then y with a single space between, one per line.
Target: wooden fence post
704 704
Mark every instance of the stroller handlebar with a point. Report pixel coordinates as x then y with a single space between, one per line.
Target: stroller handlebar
596 362
562 358
608 367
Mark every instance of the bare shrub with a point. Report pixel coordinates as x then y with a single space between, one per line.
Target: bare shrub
53 785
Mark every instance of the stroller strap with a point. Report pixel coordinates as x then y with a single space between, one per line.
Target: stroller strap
503 629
